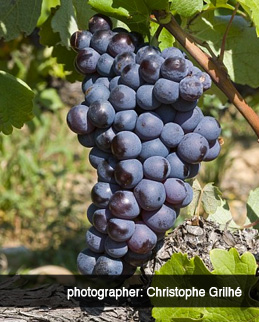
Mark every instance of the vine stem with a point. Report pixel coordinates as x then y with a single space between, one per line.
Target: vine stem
214 68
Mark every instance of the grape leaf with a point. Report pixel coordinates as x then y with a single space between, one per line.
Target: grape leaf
64 22
157 4
253 207
224 262
83 13
186 8
197 190
18 16
165 39
47 36
242 45
252 8
214 4
134 13
210 198
16 103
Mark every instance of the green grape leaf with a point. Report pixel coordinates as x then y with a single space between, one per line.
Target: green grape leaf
224 262
197 190
64 22
242 45
165 39
214 4
252 8
134 13
47 36
18 16
157 4
47 5
186 8
210 198
253 207
16 103
83 13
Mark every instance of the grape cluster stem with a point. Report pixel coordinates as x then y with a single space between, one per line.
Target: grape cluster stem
214 68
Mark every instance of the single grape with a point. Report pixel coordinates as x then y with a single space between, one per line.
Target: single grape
175 190
105 170
194 169
153 147
166 91
103 138
208 127
189 120
181 105
80 39
171 134
193 148
143 239
115 81
105 65
204 79
120 229
125 120
172 52
100 40
86 261
159 220
188 199
130 76
122 60
146 98
174 68
100 219
214 151
86 61
148 126
123 204
120 43
95 240
96 156
145 51
95 92
104 81
126 145
120 29
102 192
137 38
90 212
99 22
190 67
115 249
150 68
150 194
101 113
179 168
78 120
166 112
123 97
191 88
89 80
136 259
87 140
156 168
108 266
128 173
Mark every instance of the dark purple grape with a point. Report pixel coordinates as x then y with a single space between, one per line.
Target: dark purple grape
100 40
78 120
120 229
100 219
120 43
166 112
86 61
193 148
189 120
130 76
172 52
96 156
179 168
174 68
115 249
99 22
150 68
87 140
166 91
143 239
102 192
86 261
103 138
95 240
120 29
122 60
128 173
159 220
105 65
175 190
80 39
182 105
146 98
148 126
114 82
156 168
171 134
153 147
214 151
137 38
150 194
101 113
125 120
105 170
204 79
89 80
208 127
188 199
108 266
145 51
123 204
90 212
96 92
126 145
135 259
191 88
194 170
123 97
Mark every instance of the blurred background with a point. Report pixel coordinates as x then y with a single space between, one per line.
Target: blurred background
45 176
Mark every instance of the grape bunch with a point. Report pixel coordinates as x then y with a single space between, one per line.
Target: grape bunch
147 136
